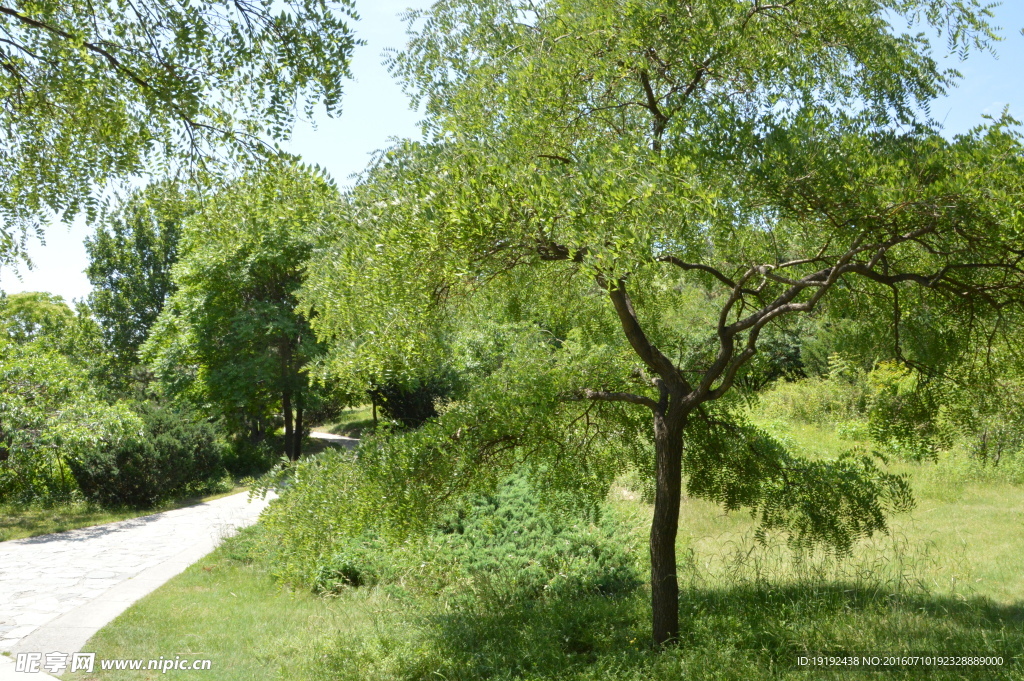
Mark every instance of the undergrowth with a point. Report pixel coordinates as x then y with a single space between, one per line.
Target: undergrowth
504 591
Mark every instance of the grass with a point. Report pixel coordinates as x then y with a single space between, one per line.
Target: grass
351 422
19 522
965 536
949 579
227 611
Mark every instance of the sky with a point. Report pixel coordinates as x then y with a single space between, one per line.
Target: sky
375 110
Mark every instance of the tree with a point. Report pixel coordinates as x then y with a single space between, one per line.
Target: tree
34 315
598 165
50 415
45 321
93 91
230 333
130 259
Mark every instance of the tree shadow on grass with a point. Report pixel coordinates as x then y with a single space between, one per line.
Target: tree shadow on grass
777 624
739 632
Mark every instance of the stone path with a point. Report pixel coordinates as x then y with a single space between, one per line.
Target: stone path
349 442
57 590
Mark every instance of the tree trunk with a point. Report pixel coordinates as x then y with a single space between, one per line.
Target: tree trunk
289 430
298 427
255 430
668 446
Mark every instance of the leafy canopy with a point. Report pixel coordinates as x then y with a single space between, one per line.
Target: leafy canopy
34 315
44 320
91 91
603 171
130 259
229 336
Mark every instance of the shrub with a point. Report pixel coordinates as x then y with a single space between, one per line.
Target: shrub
411 406
50 415
505 543
360 562
248 458
904 411
177 454
819 401
506 540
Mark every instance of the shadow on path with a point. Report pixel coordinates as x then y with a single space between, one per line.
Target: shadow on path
89 533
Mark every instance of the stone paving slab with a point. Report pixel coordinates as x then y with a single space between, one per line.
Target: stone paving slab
57 590
9 672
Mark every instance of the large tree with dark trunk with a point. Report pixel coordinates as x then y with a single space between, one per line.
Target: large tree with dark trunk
634 192
230 335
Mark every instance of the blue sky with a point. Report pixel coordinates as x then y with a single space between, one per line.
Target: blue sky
375 110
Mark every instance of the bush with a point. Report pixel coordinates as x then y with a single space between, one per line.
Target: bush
50 415
905 411
508 542
818 401
503 543
411 406
248 458
362 562
177 454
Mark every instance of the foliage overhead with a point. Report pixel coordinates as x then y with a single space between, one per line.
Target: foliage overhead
93 91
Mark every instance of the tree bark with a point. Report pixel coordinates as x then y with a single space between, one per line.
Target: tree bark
668 447
289 430
298 427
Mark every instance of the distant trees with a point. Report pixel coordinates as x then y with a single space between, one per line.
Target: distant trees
131 254
93 91
33 315
44 320
230 336
50 414
63 433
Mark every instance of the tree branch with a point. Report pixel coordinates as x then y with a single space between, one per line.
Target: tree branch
648 353
556 157
604 396
92 47
550 250
673 260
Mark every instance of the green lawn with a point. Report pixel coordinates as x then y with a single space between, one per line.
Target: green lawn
962 539
18 522
948 580
351 422
234 615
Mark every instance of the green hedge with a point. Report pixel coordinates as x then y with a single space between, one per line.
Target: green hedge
177 454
